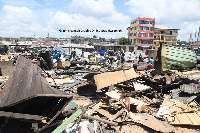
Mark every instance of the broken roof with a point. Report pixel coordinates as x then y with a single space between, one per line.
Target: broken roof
25 83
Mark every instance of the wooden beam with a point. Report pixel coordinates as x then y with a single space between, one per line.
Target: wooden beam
20 116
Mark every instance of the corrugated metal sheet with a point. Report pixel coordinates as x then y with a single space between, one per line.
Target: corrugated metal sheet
173 57
191 88
25 83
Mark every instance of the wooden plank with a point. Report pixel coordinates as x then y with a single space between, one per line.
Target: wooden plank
100 119
20 116
105 113
151 122
91 111
64 125
194 118
117 114
186 119
183 119
106 79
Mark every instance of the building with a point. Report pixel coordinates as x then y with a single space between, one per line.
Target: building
141 32
167 36
77 39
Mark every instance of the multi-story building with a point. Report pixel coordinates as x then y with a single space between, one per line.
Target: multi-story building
167 36
141 32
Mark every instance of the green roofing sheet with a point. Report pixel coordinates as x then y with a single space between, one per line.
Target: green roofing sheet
174 57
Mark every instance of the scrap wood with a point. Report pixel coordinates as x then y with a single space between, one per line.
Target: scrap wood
174 106
185 119
109 116
100 119
106 79
60 81
94 108
151 122
22 116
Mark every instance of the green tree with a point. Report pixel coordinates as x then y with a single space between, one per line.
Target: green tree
94 36
123 41
182 42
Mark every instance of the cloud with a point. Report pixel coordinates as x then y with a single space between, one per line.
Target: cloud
180 14
101 15
27 3
64 21
18 21
98 9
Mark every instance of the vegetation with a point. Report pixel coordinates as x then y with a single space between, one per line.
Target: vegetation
182 42
94 36
123 41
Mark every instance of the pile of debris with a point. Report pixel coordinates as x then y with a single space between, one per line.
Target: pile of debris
89 98
95 97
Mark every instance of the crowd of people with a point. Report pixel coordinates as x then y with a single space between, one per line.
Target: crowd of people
119 59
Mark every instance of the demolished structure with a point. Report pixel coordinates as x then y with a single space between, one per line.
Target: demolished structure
96 97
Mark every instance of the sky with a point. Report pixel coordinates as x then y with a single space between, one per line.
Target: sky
24 18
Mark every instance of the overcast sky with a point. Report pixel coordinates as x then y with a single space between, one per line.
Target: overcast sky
23 18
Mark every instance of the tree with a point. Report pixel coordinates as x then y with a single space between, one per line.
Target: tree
123 41
182 42
94 36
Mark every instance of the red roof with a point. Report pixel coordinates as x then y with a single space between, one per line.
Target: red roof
196 43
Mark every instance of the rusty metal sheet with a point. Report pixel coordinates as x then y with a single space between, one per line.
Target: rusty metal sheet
6 67
26 87
106 79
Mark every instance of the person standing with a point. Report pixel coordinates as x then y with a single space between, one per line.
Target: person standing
122 60
135 63
151 60
140 58
118 59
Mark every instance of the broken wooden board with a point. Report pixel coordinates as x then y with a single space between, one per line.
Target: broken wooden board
63 64
114 94
185 119
60 81
94 108
106 79
21 116
174 106
110 116
151 122
100 119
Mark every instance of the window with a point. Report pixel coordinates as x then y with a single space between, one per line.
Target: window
139 34
141 21
146 28
135 34
145 34
168 32
152 22
140 28
173 38
135 28
167 39
146 22
174 32
150 34
152 29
